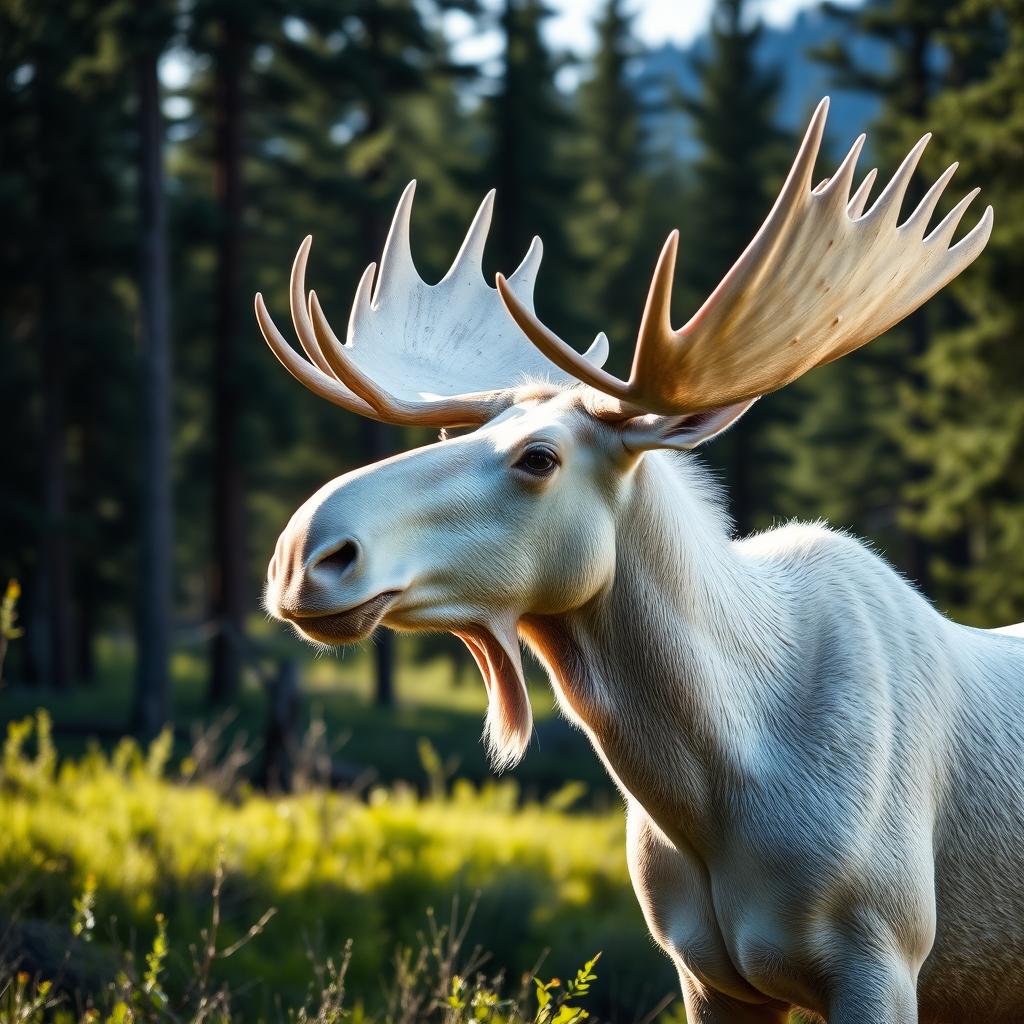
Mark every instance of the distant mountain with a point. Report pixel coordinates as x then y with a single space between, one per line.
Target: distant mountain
668 70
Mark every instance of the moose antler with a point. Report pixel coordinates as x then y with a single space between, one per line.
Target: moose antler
820 279
435 355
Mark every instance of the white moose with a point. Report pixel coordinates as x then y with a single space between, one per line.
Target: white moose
823 775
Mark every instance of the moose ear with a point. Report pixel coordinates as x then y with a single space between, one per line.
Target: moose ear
643 433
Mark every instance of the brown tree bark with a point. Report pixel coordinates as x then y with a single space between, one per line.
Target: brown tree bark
55 578
229 520
155 591
56 556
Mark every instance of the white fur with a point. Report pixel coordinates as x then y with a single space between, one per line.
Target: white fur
817 765
823 775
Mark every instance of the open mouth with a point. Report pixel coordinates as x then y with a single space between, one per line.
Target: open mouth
348 626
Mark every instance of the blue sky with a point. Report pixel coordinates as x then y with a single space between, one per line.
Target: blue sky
571 28
656 22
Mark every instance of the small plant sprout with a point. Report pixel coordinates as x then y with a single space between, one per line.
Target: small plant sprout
83 917
9 629
558 1005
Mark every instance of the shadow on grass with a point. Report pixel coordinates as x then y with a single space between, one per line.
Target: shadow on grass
440 700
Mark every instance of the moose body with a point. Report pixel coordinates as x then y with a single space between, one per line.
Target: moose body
815 763
823 775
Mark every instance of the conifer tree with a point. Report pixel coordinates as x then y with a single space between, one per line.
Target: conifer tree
919 66
63 135
328 102
150 30
739 163
609 233
971 401
528 130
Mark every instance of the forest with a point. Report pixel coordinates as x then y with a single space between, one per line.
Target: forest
160 162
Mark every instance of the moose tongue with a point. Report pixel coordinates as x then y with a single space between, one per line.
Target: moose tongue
495 648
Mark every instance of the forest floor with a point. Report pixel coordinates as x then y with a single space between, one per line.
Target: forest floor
129 880
438 699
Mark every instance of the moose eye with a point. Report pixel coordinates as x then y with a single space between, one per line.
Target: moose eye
538 461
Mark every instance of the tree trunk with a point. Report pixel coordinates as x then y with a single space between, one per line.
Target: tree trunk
281 739
229 584
56 548
85 625
56 576
155 597
376 436
508 223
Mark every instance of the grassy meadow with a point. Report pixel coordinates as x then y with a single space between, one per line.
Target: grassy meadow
440 699
115 857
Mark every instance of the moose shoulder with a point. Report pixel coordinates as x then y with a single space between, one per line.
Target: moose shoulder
823 775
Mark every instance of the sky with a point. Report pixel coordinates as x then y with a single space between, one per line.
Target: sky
571 28
655 22
659 21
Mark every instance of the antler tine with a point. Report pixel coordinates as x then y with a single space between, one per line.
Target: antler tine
517 296
398 275
344 368
819 279
524 277
840 183
798 181
560 352
970 246
860 198
362 310
297 302
325 344
305 372
887 206
655 340
470 257
917 222
943 234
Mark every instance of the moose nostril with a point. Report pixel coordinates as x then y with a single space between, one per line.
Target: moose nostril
341 559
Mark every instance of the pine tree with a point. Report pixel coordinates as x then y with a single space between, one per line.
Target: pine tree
971 401
330 105
232 53
609 231
63 251
920 67
528 129
739 162
150 30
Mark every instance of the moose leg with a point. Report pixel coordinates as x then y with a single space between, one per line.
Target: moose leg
876 992
674 893
706 1006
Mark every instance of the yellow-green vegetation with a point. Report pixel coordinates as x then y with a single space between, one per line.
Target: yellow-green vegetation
118 849
380 744
9 628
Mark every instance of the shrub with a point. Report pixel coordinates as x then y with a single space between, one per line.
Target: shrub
129 842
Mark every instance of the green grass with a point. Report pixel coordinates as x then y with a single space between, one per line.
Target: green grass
125 829
378 744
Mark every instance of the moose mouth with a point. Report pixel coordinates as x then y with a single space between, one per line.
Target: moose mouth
348 626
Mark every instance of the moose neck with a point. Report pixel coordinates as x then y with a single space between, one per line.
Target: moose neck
675 669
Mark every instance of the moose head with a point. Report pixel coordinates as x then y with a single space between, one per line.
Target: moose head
492 533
